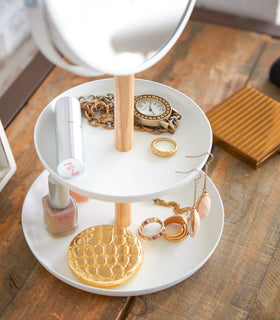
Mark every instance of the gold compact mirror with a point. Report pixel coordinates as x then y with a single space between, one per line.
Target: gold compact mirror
105 256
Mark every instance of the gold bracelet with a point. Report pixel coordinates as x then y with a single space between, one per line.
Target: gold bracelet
162 153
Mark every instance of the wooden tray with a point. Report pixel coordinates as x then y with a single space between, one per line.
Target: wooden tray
247 124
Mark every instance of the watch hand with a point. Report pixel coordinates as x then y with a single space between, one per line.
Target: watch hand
150 109
156 108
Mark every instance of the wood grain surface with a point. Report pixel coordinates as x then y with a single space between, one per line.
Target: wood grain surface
242 278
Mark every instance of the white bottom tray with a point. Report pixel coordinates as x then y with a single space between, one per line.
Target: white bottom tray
165 263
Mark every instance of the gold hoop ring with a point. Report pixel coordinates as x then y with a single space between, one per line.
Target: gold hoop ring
145 223
181 234
162 153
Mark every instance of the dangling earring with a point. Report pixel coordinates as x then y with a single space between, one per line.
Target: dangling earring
194 221
203 204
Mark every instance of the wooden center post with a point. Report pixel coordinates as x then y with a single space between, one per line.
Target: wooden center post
124 126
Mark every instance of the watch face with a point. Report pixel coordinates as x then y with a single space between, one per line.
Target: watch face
151 107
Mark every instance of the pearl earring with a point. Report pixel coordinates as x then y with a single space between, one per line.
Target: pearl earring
194 221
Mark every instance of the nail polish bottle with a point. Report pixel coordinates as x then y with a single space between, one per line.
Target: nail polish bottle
60 209
78 197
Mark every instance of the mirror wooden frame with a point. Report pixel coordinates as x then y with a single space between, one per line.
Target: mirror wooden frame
7 161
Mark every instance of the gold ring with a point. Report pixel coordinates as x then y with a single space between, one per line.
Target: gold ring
181 234
145 223
162 153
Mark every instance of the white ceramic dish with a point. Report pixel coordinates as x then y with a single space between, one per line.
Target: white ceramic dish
165 263
137 175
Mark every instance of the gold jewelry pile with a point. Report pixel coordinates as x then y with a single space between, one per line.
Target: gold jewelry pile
198 211
99 111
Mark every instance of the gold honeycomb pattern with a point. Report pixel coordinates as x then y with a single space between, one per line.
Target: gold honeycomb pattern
105 256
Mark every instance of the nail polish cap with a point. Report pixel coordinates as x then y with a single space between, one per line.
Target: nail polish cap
69 142
58 194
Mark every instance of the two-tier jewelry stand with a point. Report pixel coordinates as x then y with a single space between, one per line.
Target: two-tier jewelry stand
137 176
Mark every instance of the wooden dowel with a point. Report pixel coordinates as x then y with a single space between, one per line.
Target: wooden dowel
123 214
124 126
124 115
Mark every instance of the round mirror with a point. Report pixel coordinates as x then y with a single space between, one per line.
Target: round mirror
118 37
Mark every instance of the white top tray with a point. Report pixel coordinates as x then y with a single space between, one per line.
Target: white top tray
136 175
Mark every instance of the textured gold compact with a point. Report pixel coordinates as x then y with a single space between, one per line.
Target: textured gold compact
105 256
247 124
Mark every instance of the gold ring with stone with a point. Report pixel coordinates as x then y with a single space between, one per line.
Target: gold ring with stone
145 223
162 153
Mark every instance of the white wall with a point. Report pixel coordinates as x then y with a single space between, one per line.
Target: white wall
278 13
17 48
266 10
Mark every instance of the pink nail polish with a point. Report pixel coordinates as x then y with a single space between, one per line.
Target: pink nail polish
60 209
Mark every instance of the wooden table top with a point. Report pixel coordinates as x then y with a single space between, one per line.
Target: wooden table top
241 280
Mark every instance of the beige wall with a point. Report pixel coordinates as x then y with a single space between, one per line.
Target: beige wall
17 48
